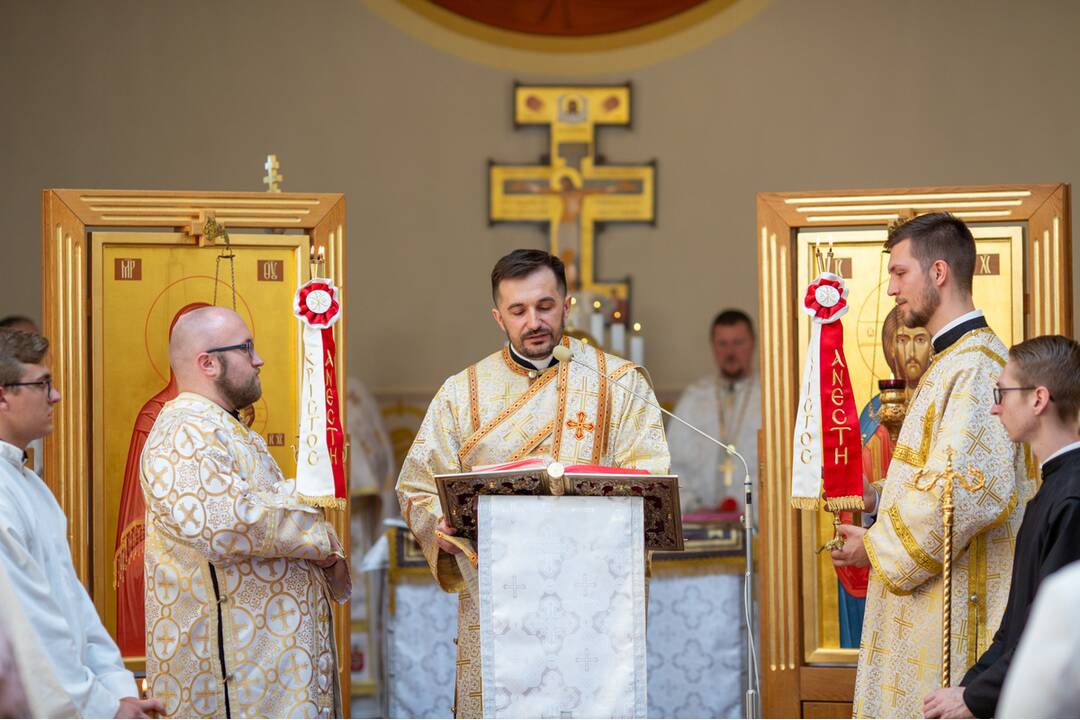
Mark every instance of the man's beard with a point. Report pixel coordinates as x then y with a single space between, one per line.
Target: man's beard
929 301
736 375
556 337
239 395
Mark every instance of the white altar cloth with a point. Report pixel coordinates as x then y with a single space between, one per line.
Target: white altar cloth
562 606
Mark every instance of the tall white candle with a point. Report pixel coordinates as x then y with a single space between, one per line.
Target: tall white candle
596 324
618 338
637 346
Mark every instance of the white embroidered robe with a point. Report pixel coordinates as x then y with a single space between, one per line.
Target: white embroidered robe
497 411
900 654
707 475
232 597
36 558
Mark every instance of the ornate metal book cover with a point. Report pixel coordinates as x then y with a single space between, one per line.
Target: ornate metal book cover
458 493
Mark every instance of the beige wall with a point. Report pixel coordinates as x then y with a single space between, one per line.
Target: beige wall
806 95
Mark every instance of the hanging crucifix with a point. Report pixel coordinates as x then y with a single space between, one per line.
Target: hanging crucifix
572 191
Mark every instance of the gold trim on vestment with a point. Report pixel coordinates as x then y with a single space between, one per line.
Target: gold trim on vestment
872 555
601 399
911 456
976 625
615 375
511 364
474 439
622 370
911 545
560 408
1009 507
474 398
532 442
985 351
1029 463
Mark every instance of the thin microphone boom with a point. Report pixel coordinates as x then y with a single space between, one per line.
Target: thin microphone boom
565 355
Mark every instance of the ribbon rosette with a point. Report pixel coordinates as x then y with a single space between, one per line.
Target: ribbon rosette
827 455
317 304
320 460
826 298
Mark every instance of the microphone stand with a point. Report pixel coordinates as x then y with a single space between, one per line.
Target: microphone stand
564 354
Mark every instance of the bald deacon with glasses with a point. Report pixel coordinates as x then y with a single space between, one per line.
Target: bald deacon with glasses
240 576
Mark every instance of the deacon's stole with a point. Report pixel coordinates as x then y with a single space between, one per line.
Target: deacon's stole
563 412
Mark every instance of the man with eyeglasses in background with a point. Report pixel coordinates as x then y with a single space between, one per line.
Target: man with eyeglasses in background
1037 400
240 575
84 674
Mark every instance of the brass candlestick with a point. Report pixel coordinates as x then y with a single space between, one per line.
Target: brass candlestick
926 481
893 406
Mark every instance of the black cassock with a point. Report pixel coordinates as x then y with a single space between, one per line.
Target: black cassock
1048 540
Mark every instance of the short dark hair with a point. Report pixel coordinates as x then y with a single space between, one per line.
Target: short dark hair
1052 361
16 349
522 263
10 320
731 316
939 236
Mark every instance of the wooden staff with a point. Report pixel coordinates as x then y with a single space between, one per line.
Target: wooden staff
926 481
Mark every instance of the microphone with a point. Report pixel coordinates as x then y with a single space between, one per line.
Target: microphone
565 355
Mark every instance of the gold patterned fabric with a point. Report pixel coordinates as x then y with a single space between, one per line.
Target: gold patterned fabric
232 597
900 654
497 411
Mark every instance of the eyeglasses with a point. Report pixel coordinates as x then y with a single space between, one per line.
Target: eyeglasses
1000 391
248 347
46 383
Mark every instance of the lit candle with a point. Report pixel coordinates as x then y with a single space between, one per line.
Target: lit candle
596 324
637 346
144 689
618 334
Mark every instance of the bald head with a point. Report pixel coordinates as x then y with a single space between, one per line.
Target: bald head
230 374
199 330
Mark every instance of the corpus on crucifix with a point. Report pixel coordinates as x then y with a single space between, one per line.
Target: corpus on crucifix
572 190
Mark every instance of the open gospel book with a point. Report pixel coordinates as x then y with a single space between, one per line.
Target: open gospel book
459 493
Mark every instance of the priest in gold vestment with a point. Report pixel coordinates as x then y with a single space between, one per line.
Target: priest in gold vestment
931 268
515 403
240 576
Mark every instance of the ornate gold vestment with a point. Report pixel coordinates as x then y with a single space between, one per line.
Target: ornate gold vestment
900 654
231 597
497 411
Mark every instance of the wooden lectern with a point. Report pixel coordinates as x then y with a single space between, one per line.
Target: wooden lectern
1023 284
117 267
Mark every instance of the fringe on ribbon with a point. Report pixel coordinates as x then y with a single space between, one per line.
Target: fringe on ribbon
844 502
131 541
323 501
805 503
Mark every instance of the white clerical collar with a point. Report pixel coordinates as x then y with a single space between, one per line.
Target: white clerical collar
1068 448
12 454
976 313
542 364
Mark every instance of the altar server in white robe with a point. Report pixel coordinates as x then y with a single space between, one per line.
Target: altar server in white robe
727 405
35 554
516 403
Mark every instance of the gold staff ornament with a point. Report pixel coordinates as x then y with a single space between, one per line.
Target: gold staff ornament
925 481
